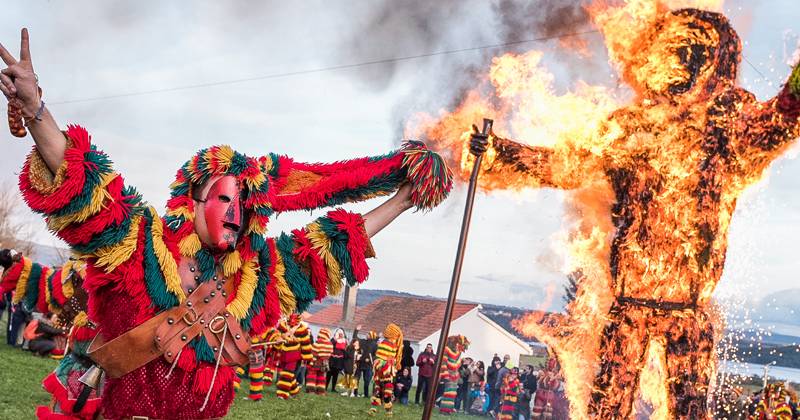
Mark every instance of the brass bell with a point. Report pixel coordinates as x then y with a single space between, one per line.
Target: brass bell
92 377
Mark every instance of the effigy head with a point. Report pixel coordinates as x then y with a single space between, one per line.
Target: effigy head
685 49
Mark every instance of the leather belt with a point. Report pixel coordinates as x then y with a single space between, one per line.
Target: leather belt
203 312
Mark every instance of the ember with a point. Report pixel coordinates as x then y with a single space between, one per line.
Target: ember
654 183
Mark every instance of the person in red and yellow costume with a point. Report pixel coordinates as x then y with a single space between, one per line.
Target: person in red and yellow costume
509 395
59 291
385 367
295 348
318 366
272 340
774 404
547 385
456 345
177 296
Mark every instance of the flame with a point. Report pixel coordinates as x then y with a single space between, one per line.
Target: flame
649 201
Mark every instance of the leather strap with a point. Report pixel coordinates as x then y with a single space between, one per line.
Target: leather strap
203 312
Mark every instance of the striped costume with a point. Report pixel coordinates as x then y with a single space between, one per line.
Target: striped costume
774 404
387 362
318 367
509 395
59 291
133 254
257 369
455 346
296 347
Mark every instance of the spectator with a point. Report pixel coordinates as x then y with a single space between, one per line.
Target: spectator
408 356
402 385
339 342
462 392
425 362
502 372
476 378
44 337
528 381
352 355
491 380
480 400
364 370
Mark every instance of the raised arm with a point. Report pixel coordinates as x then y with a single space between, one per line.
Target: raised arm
510 164
764 130
20 83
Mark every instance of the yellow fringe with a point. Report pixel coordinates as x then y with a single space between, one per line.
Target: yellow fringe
165 260
285 295
81 319
22 283
99 197
231 264
110 257
181 211
190 245
41 179
322 244
47 299
244 293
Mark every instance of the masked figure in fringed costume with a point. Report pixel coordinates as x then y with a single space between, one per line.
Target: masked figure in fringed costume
318 366
295 348
75 394
455 346
387 362
547 384
676 160
177 297
775 403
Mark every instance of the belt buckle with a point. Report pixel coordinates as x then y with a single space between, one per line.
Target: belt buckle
140 418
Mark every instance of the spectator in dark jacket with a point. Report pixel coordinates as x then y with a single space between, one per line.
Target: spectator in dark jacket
364 372
425 362
528 380
462 392
402 385
408 356
45 341
491 374
352 354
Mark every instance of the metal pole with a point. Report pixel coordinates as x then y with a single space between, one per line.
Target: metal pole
451 298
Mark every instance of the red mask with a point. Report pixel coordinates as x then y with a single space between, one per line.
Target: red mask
222 209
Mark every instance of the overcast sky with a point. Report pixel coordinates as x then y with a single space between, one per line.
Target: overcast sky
90 49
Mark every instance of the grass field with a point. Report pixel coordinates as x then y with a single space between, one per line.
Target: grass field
21 391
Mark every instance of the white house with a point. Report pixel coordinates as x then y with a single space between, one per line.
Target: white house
421 320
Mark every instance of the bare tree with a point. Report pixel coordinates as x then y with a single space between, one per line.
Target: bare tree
15 232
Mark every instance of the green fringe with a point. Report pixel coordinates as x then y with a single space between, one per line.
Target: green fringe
154 279
794 80
339 250
93 177
300 284
32 288
202 350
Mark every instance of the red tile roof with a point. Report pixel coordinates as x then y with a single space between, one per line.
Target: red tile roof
417 317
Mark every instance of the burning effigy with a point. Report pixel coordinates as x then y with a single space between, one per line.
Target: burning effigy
653 183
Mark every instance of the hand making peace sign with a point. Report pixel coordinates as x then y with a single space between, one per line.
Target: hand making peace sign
18 80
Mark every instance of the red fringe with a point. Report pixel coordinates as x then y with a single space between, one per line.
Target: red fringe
337 177
73 181
304 251
115 212
357 243
57 295
11 276
52 385
83 334
203 375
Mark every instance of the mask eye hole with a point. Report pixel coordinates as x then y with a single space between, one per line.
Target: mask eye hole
224 198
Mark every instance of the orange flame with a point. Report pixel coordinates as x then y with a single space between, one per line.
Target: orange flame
676 216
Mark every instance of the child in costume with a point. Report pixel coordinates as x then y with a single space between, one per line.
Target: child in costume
387 362
455 346
256 368
318 366
177 296
295 348
509 395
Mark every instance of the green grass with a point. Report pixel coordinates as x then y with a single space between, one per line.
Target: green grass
20 392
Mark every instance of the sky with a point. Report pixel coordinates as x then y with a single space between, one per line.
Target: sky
84 51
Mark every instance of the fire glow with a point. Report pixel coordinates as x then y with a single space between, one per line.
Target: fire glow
653 179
